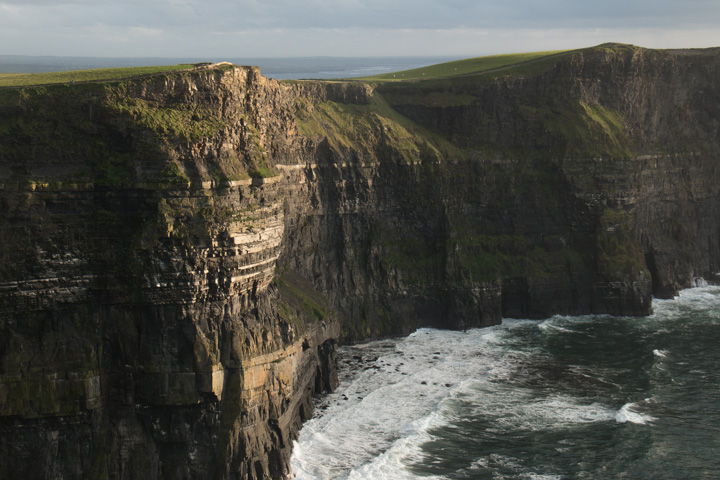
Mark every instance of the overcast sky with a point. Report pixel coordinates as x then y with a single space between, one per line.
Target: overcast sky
288 28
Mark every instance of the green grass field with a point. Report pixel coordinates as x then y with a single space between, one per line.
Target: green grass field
470 66
102 74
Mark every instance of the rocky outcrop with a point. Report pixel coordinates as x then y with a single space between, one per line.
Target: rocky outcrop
145 329
180 254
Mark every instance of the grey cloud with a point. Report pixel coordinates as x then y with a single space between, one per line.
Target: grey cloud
441 14
401 14
215 23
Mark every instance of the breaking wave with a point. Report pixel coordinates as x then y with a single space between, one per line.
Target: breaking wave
524 399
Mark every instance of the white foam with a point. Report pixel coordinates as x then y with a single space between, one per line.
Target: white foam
395 393
628 414
496 459
549 326
380 415
565 324
391 464
689 301
519 409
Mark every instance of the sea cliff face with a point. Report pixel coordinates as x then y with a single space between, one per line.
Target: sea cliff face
146 332
181 254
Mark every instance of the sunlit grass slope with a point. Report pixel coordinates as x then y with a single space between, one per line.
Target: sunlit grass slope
469 66
100 74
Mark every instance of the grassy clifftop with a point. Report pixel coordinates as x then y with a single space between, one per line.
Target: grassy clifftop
94 75
493 65
470 66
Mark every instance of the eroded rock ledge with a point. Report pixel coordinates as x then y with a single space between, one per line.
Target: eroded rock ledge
181 254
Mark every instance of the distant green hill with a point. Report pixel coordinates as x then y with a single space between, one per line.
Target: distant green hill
470 66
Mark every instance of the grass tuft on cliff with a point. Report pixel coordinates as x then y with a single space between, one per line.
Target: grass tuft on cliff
181 120
372 128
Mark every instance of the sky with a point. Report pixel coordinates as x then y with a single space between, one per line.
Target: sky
300 28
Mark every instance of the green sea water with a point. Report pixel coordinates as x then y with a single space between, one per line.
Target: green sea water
595 397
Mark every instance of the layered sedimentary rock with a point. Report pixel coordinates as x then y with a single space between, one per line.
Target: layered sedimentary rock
580 185
180 254
146 332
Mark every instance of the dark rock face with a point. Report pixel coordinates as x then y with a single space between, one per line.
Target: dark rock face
144 333
180 255
630 135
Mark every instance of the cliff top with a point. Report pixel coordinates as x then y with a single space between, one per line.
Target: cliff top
469 66
95 75
515 63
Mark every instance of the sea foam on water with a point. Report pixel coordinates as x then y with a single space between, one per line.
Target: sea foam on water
440 404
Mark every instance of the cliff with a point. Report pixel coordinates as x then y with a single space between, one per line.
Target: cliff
180 254
579 184
145 332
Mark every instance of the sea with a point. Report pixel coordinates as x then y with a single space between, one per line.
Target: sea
588 397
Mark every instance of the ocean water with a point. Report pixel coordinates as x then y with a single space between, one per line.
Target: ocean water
595 397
